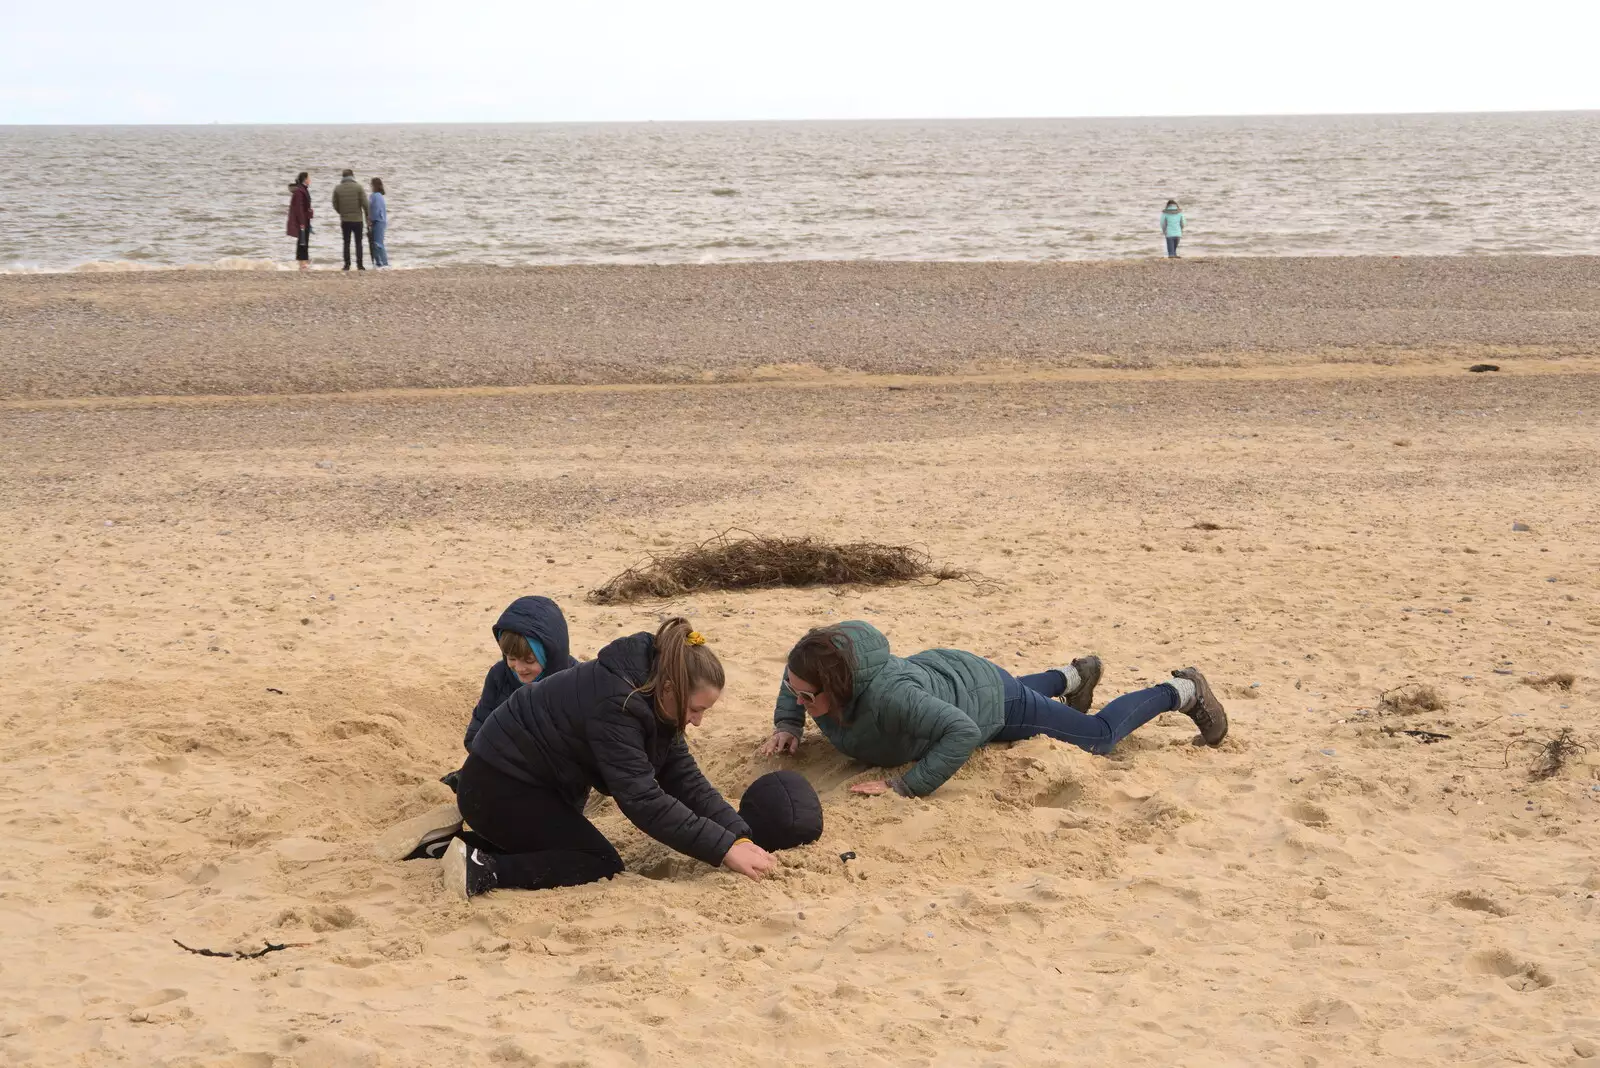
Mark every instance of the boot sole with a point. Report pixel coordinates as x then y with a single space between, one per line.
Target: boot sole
455 869
399 841
1206 701
1089 671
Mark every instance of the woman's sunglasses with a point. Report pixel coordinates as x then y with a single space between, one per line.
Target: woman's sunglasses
805 697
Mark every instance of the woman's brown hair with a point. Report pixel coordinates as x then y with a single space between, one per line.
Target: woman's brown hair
377 186
826 658
683 664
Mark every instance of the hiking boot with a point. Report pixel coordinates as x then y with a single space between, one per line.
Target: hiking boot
467 872
410 840
1205 709
1088 669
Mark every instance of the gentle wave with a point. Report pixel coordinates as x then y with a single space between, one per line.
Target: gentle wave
232 263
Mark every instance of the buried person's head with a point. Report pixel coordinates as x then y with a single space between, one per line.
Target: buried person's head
783 811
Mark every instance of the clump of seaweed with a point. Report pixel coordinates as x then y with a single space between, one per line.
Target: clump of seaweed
755 562
1411 698
1554 754
1560 680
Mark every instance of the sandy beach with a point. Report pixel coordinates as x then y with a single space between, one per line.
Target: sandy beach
257 527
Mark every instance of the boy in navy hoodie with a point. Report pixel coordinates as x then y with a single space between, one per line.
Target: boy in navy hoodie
532 636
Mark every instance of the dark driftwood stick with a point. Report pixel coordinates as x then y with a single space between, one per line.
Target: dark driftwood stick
272 947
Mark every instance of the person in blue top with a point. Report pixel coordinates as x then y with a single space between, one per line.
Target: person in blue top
378 223
1172 227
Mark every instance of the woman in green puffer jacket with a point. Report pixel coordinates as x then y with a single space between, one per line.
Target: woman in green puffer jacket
931 710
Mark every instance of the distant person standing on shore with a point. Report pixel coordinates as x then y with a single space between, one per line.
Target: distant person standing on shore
1172 227
300 219
350 201
378 223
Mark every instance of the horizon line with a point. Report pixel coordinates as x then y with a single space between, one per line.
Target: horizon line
823 119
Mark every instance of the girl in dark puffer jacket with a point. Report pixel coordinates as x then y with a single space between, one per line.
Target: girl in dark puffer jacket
614 724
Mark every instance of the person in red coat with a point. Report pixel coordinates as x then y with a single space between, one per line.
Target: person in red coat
300 220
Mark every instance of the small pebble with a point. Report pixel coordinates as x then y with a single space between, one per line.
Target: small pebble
1255 686
110 523
1330 752
224 533
1521 527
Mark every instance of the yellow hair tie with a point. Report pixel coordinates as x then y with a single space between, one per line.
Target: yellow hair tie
695 638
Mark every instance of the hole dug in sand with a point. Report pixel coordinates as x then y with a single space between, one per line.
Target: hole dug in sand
1518 974
1472 902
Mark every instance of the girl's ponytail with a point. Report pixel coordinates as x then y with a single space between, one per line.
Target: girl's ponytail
683 664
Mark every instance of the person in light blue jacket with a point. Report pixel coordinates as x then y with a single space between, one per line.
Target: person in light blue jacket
378 223
1171 227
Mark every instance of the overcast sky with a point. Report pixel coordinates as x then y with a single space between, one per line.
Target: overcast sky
111 61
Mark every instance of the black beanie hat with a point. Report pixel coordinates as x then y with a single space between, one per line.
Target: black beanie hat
782 810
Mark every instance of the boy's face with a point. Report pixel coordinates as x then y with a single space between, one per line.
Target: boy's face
527 670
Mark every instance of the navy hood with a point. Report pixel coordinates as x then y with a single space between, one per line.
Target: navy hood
538 618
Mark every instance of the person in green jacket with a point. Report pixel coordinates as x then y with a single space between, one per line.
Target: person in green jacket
931 710
351 202
1172 227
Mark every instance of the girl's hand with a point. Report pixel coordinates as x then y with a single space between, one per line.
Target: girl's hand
781 742
749 860
877 787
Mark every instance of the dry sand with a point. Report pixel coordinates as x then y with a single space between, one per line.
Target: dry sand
241 636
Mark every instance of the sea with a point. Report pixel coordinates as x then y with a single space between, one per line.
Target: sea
141 197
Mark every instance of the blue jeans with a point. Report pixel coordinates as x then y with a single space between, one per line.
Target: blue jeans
380 254
1030 710
1172 246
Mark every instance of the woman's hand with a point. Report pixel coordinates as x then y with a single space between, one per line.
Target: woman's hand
781 742
749 860
878 786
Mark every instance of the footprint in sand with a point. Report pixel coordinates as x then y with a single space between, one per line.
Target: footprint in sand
1310 815
1518 974
1335 1014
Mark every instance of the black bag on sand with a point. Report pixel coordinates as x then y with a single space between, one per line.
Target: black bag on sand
783 811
